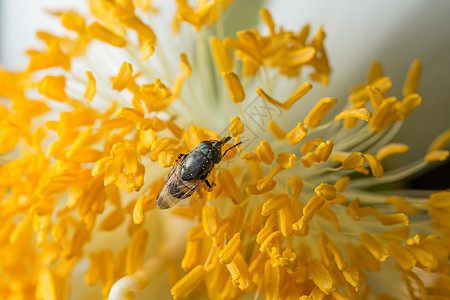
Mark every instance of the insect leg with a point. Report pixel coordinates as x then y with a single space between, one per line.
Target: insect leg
208 184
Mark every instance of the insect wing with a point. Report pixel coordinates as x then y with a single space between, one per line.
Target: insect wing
174 188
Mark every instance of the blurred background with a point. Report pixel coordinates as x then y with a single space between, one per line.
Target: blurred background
358 33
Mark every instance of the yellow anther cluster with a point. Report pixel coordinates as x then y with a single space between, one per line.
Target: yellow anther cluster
84 154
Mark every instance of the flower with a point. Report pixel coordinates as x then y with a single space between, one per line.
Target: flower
296 210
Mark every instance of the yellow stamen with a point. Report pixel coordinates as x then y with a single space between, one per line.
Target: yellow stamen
310 145
341 183
411 85
53 87
250 157
275 203
375 165
324 150
268 228
93 274
440 142
267 180
287 218
276 130
310 209
358 113
138 214
45 286
176 131
326 191
90 87
321 276
112 221
230 186
408 105
136 251
267 18
353 161
227 254
296 134
352 276
272 280
439 199
269 239
401 205
130 114
401 255
99 32
338 257
319 111
438 155
234 86
145 33
424 258
252 188
265 152
375 72
305 88
123 77
384 115
394 219
209 220
222 56
186 284
296 185
147 49
375 95
390 149
383 84
286 160
236 127
323 249
192 256
374 247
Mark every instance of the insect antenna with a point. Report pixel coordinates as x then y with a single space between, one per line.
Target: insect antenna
231 148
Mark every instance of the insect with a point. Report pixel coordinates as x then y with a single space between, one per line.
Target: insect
190 171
